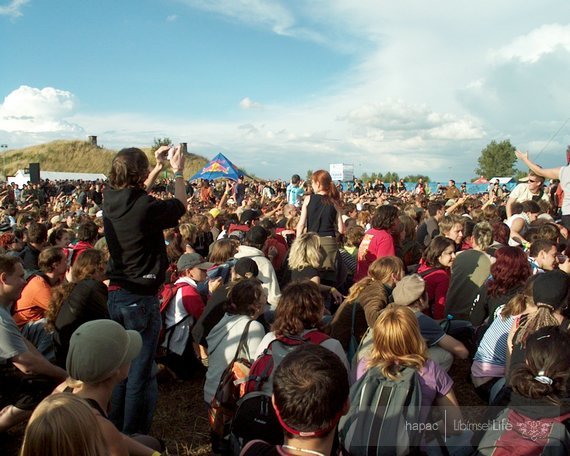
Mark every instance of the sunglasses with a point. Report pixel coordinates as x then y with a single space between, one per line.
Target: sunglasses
532 181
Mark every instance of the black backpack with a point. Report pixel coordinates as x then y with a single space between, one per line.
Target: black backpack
255 417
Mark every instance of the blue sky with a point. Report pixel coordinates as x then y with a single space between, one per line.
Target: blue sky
285 86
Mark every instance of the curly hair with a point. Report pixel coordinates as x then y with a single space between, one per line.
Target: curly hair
511 270
87 266
301 307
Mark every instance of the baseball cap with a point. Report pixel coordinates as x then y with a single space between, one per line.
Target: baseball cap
551 288
214 212
100 347
192 260
409 290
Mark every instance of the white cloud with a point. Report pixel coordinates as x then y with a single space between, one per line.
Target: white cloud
13 8
248 103
268 14
539 42
404 120
429 84
29 109
171 18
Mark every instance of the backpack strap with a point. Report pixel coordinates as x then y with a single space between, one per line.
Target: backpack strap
173 287
427 272
242 345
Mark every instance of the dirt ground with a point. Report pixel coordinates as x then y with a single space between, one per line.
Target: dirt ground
181 420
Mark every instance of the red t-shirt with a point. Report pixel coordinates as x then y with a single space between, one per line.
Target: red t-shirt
437 284
375 244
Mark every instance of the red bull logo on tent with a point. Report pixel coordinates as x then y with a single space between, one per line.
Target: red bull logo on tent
215 167
218 168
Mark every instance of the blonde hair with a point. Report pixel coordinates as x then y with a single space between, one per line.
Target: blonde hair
381 270
483 234
189 232
63 425
305 252
397 341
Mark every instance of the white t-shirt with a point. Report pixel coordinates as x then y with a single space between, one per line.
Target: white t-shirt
521 193
565 182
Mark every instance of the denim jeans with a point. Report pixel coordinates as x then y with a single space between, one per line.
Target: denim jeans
134 399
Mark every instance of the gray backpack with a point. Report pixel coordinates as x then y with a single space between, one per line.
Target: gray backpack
384 415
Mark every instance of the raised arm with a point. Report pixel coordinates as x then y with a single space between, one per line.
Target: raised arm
159 155
177 164
303 218
549 173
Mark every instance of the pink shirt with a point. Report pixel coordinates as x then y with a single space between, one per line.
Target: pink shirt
437 284
375 244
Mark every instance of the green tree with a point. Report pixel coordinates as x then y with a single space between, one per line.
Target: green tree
390 177
364 177
416 177
160 142
520 174
309 175
497 159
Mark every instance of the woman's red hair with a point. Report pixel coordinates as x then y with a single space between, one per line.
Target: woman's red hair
324 179
511 270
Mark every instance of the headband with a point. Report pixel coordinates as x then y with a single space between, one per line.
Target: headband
318 433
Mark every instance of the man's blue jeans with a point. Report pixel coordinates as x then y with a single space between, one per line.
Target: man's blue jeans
134 400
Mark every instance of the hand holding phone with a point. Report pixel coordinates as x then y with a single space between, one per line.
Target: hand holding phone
170 152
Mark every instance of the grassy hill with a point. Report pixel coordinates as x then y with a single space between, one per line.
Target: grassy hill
78 157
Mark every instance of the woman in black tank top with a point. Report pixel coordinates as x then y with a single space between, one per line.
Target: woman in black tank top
321 213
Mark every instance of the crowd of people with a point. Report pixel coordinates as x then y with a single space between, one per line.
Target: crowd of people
349 296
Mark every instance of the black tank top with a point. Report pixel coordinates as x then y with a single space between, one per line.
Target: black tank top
321 217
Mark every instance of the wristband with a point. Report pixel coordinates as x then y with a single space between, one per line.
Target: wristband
332 290
156 453
178 174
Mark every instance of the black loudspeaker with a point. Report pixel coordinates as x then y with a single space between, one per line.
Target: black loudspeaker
34 173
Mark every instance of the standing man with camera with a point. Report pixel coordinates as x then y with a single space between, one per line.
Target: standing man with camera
134 222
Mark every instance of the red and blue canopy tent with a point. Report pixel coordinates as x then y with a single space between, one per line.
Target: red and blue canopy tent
219 167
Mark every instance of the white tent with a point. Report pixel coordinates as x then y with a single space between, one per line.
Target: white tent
22 178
